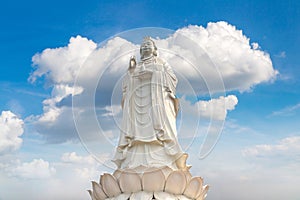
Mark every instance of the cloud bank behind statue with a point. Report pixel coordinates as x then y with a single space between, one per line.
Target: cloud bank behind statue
241 65
60 66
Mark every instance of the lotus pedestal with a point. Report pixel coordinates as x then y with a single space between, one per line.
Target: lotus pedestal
149 183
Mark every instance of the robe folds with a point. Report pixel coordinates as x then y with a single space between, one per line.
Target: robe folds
148 135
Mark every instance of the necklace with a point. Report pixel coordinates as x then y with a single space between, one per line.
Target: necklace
148 60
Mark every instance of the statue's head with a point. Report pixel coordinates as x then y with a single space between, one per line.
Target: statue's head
148 48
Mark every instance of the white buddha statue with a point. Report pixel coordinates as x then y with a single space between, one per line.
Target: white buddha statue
148 135
151 164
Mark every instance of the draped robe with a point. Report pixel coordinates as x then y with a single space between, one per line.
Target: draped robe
148 134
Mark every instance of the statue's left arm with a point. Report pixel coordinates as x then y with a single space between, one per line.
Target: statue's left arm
170 80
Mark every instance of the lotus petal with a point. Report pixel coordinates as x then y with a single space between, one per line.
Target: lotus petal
181 162
167 171
153 180
204 193
123 196
140 169
164 196
117 174
98 191
110 185
176 183
130 181
91 194
142 195
182 197
194 188
188 175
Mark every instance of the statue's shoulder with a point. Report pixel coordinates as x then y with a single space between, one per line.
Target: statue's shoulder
161 61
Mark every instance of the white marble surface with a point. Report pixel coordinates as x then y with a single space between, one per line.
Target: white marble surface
148 134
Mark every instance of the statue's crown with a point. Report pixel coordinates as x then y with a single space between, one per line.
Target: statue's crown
147 38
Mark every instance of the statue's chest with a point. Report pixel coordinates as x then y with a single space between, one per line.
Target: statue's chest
151 66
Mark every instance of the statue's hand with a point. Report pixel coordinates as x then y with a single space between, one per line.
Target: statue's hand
132 62
143 74
146 71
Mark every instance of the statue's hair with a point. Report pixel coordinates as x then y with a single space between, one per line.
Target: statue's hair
148 38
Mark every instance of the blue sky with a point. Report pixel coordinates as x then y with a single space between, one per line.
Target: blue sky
261 136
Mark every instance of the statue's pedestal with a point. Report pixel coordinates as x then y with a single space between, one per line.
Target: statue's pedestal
149 183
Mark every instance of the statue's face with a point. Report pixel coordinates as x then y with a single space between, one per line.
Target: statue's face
147 48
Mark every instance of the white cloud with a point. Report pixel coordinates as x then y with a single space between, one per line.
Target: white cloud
15 106
287 111
68 178
11 128
84 166
36 169
255 45
232 127
86 172
74 158
111 111
51 110
214 109
56 123
79 60
282 54
89 160
239 66
289 146
264 183
60 65
241 174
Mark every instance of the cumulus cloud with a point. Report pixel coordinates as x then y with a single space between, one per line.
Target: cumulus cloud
56 123
209 59
67 178
214 109
70 165
36 169
61 64
84 166
51 110
289 146
112 110
11 128
81 60
74 158
266 183
241 65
